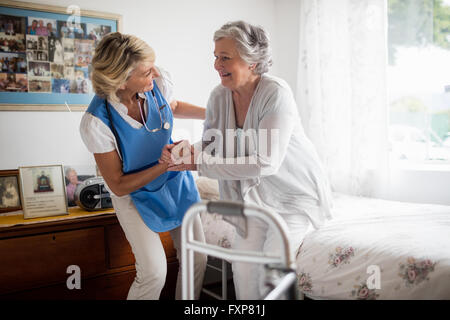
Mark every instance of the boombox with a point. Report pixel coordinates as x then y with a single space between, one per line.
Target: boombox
92 195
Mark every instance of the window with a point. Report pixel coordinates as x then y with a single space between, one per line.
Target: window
419 80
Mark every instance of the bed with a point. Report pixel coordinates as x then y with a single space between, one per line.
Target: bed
372 249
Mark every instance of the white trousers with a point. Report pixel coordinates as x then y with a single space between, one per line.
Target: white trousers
249 278
151 263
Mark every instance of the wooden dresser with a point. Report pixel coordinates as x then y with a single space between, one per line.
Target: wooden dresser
35 257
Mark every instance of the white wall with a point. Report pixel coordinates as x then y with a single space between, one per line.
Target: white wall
181 33
286 40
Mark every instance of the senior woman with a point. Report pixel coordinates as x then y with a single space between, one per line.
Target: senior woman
278 169
126 126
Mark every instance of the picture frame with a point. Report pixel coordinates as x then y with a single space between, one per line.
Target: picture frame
9 191
43 192
45 55
73 176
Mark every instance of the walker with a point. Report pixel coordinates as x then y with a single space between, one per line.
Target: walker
280 269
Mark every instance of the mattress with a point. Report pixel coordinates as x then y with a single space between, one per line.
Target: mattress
371 249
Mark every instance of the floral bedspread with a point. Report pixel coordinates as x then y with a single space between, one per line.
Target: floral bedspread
378 249
372 249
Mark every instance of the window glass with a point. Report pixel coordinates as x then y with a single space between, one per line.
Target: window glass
419 80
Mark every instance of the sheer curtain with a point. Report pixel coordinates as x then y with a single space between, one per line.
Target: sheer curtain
341 90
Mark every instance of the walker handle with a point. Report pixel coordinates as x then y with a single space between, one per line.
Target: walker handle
226 208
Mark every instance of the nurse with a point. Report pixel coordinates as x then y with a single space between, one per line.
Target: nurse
126 126
273 164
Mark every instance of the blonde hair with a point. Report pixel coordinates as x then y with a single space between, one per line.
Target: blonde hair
116 56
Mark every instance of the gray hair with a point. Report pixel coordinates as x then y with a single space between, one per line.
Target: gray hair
68 170
252 43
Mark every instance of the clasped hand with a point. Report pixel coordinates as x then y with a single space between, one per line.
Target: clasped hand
179 156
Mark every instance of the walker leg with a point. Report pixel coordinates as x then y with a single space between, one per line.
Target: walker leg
224 280
191 275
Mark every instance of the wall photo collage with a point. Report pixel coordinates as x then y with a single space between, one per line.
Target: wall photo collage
47 56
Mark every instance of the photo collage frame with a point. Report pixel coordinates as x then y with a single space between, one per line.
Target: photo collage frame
45 56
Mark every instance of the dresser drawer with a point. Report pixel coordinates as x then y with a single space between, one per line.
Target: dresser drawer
120 253
169 248
106 287
43 259
119 250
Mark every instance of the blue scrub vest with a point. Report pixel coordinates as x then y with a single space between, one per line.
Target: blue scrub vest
163 202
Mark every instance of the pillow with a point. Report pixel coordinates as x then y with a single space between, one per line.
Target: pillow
208 188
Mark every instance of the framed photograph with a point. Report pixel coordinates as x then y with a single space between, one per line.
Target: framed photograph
73 176
9 191
43 191
46 53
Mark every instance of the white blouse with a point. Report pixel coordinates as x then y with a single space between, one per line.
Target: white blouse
283 174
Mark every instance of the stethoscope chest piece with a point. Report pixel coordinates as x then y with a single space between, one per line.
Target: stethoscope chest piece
164 124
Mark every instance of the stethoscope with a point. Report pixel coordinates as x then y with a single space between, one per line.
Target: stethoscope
164 125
